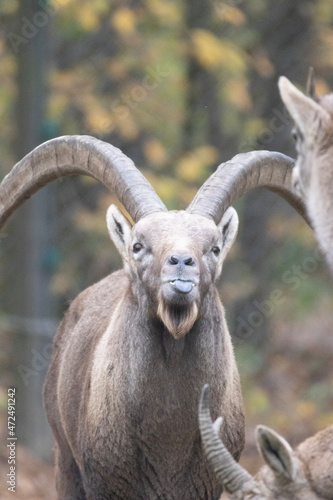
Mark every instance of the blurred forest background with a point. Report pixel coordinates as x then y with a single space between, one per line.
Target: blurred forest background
179 87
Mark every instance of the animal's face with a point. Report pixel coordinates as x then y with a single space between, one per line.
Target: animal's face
293 475
313 133
173 258
303 474
314 144
271 484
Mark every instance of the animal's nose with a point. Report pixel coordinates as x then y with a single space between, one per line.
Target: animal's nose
186 260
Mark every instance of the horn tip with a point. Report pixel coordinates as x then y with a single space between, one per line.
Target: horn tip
204 397
310 83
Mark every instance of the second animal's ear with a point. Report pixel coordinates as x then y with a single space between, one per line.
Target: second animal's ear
228 226
119 230
276 452
302 108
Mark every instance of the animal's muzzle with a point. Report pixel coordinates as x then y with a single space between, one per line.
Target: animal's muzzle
182 286
181 261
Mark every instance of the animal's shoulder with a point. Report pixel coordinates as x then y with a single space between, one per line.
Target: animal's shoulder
105 292
93 307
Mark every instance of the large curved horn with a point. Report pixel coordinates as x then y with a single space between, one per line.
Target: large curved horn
227 471
71 155
242 173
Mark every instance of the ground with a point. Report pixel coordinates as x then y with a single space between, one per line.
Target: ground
35 479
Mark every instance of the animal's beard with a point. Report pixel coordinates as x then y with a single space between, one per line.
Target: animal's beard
178 319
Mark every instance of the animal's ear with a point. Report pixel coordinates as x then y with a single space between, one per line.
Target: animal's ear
228 226
119 229
302 108
276 452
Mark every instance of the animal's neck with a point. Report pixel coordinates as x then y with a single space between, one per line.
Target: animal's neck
171 350
191 355
320 206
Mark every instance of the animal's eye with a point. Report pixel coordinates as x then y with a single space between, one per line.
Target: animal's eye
137 247
216 250
294 134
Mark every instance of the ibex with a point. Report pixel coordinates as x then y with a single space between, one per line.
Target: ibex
303 474
134 350
313 172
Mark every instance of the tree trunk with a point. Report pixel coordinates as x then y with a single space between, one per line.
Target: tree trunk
28 301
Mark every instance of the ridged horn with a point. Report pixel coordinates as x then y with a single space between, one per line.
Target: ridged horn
71 155
227 471
242 173
310 83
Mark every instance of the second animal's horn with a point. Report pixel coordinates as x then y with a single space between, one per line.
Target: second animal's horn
310 83
228 472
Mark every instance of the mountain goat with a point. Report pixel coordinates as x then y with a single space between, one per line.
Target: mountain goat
303 474
134 350
313 173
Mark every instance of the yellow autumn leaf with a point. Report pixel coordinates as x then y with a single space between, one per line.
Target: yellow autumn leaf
63 80
124 21
8 67
98 120
237 93
213 53
127 128
207 48
64 3
190 168
102 6
187 194
208 154
155 152
234 16
254 127
166 188
262 64
9 7
167 11
88 17
116 69
232 58
321 87
87 221
193 166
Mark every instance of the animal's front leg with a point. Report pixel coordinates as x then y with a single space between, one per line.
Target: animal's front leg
68 478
